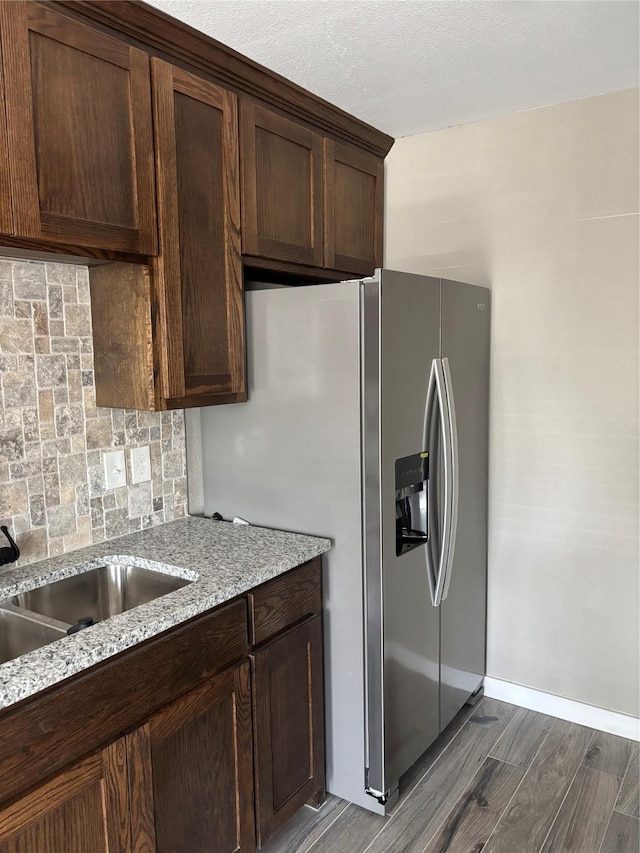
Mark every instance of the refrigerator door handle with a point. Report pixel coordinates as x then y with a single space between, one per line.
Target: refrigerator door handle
438 407
447 482
451 526
429 413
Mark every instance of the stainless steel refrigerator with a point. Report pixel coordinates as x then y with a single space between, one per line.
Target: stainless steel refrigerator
367 422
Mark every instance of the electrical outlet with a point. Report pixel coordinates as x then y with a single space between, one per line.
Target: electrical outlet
115 471
140 464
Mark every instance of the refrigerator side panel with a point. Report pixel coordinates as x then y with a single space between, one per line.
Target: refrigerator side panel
408 333
465 342
290 458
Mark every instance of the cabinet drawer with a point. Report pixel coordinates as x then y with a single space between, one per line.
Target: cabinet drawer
284 601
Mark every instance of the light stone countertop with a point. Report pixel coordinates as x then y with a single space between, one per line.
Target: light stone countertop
222 559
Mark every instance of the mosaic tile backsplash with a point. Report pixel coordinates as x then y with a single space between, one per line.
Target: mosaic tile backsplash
53 436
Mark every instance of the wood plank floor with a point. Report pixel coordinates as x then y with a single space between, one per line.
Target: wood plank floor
500 779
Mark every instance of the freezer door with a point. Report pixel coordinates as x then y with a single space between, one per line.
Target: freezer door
465 344
401 319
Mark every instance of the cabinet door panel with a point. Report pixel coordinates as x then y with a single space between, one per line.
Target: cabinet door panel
199 269
80 144
354 208
191 770
281 187
84 808
289 725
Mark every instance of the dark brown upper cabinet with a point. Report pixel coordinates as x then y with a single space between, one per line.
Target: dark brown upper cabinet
281 164
78 107
308 200
198 273
354 208
176 338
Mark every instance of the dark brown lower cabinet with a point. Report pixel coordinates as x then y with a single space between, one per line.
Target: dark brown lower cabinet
288 725
213 744
84 808
191 771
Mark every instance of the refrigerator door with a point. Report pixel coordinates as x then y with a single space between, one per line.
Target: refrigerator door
290 458
401 321
465 344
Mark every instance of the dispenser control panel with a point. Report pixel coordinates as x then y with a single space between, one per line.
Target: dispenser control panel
412 479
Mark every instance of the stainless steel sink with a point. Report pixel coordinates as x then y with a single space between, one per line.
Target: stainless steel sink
98 593
21 633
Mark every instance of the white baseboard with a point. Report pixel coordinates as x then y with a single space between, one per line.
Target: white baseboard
566 709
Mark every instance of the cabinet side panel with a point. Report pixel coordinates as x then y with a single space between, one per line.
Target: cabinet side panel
121 319
6 218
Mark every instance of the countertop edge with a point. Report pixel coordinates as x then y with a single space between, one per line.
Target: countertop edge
222 575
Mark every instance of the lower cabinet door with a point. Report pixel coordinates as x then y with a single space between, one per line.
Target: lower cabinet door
288 725
84 808
191 772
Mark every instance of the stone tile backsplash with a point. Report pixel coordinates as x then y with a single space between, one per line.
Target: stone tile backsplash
53 436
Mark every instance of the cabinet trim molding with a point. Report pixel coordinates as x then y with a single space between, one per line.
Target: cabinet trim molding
164 36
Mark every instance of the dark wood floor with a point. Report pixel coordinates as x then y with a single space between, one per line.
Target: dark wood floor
500 779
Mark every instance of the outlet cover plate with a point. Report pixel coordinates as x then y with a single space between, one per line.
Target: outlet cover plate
115 471
140 464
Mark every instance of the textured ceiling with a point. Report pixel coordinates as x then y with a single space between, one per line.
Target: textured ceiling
407 66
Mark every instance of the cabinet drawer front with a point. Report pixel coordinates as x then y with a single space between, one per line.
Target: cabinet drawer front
284 601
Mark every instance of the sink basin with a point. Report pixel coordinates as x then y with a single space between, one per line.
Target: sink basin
98 593
20 633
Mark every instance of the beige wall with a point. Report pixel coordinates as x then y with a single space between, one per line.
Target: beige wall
542 207
53 436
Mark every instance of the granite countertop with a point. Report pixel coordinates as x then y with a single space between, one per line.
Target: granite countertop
223 560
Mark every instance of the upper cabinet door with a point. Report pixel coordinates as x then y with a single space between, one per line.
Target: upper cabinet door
281 187
354 208
78 108
6 219
198 273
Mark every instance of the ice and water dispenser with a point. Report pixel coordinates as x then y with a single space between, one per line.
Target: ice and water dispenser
412 502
